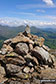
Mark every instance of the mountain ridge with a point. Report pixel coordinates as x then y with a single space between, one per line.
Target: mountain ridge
48 33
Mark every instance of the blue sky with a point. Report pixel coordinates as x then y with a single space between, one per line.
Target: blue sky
40 10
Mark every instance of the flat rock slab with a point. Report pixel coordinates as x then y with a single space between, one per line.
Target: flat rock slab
21 39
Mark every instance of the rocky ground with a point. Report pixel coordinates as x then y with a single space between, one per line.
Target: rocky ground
25 59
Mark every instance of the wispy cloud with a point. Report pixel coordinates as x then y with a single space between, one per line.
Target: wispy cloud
29 15
41 11
24 13
31 6
49 2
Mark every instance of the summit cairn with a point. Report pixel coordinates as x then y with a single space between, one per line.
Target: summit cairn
27 30
23 57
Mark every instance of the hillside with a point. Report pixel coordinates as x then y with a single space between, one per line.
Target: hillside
9 32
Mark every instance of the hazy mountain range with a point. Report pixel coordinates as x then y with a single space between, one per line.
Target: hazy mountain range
48 33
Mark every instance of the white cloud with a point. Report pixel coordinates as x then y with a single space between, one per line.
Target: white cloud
19 22
49 2
42 11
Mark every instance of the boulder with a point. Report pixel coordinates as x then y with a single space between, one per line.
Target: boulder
12 69
42 55
22 48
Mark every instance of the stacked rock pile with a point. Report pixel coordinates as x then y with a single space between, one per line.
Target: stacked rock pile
22 58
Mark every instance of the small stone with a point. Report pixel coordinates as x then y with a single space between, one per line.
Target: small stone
26 69
30 64
7 41
2 71
35 60
31 70
28 56
29 35
39 41
22 75
37 69
4 51
30 47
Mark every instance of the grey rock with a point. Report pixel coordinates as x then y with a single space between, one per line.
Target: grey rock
41 54
22 48
12 69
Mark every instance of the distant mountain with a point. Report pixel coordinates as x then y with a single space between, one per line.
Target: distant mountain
48 33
